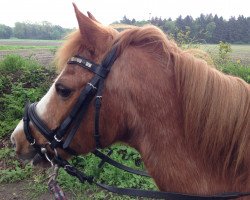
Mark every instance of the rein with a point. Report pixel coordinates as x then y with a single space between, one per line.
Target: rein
58 139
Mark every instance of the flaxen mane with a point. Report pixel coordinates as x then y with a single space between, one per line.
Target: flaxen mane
216 107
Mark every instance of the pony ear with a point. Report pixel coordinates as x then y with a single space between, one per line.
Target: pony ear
92 32
92 17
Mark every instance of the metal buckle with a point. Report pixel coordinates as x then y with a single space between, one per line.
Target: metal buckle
67 166
87 64
92 86
58 140
75 59
34 142
44 151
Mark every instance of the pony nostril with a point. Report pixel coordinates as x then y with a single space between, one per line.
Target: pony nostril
13 141
13 145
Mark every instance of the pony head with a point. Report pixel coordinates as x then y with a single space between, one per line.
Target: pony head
92 41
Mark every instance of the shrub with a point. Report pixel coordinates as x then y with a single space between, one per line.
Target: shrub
224 50
236 69
21 79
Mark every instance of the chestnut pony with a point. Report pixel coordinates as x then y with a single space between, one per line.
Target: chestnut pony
189 121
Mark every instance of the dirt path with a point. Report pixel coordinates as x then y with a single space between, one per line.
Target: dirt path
42 56
20 191
31 42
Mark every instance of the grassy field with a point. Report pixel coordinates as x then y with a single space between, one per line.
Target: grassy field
239 54
18 47
27 41
17 44
40 50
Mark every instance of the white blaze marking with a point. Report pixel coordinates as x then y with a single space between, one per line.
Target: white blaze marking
18 128
41 107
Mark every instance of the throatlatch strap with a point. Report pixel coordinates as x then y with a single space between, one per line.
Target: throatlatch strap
114 163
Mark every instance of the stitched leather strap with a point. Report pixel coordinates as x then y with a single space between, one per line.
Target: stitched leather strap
114 163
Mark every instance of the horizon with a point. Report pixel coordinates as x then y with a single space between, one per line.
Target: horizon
61 12
118 21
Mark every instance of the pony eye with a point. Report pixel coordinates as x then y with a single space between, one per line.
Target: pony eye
63 91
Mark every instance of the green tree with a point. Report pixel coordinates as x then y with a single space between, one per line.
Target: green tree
44 30
209 31
125 20
20 30
5 31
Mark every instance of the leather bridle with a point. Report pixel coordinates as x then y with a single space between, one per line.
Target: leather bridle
62 136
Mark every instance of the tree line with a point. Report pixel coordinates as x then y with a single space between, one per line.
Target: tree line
25 30
205 28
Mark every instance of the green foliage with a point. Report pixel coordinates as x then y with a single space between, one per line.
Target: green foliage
21 79
205 28
184 40
107 174
114 176
235 69
17 47
14 170
6 153
5 31
15 174
44 30
224 50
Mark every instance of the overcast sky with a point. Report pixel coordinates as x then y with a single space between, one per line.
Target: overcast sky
61 12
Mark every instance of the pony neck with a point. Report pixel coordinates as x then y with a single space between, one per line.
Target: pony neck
159 131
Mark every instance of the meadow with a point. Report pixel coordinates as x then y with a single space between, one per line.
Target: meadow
240 53
28 75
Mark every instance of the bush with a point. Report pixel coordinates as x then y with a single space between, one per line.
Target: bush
21 79
224 50
236 69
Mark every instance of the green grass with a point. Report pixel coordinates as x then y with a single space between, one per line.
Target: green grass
19 47
27 40
17 44
14 170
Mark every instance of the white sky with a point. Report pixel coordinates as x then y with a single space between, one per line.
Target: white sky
61 12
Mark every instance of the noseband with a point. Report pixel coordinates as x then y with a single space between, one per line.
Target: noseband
62 136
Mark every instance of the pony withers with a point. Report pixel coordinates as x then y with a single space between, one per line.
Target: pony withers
189 121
